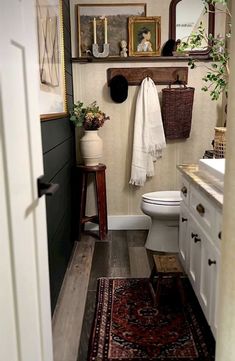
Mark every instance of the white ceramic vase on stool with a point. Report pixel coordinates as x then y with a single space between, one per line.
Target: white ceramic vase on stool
91 146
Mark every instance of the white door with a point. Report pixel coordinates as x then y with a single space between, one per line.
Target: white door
25 325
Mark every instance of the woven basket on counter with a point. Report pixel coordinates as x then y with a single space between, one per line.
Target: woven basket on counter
220 142
177 105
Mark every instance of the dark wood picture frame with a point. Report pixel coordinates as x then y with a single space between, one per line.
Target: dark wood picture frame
172 27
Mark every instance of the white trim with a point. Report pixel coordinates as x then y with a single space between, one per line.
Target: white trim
125 222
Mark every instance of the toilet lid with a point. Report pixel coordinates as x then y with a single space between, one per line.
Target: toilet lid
163 198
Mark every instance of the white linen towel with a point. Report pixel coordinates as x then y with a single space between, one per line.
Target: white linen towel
149 137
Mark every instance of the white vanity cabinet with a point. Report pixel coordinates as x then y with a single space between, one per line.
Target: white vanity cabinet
199 247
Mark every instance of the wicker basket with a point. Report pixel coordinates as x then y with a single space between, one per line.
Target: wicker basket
220 142
177 105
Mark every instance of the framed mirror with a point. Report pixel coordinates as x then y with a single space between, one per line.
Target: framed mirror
185 16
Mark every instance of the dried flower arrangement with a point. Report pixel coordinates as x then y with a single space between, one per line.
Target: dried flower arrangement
90 117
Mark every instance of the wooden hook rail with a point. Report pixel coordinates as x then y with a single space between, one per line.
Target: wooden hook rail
160 75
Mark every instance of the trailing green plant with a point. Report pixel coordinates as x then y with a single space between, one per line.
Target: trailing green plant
90 117
216 78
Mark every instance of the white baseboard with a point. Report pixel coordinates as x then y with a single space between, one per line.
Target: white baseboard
125 222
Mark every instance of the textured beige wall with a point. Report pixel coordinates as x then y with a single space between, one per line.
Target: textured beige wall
154 7
90 83
117 134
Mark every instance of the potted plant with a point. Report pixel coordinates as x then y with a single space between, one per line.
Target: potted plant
91 118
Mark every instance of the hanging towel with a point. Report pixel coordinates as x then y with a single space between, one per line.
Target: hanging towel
149 138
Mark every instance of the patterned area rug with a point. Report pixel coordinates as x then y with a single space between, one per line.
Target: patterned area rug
127 327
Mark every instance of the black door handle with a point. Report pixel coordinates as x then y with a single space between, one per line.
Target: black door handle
47 189
210 262
196 239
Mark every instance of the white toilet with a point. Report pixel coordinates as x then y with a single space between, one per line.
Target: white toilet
164 210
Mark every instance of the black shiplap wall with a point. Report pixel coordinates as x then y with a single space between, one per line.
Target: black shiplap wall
59 157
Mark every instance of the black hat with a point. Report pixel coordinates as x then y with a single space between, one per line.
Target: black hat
118 88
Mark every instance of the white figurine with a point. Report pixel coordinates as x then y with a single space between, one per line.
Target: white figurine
123 51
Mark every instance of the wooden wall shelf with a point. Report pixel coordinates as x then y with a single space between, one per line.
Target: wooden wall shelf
142 59
160 75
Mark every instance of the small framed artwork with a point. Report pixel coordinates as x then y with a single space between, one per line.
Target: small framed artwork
52 95
117 25
144 36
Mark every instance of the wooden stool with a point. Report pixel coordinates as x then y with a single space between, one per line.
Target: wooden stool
166 265
98 171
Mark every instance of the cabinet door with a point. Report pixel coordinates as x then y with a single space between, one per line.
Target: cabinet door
194 267
217 236
205 288
183 236
214 270
204 273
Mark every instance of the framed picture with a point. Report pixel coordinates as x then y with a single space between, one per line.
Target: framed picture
144 36
52 96
117 25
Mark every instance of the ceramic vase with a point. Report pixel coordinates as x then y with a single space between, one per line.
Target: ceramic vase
91 146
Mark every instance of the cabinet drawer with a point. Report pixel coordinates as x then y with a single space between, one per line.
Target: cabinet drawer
203 210
184 191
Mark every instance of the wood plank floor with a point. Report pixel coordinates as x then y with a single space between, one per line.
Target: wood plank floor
121 255
69 312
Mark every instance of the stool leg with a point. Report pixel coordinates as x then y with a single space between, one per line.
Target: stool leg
152 284
101 204
158 291
82 202
181 290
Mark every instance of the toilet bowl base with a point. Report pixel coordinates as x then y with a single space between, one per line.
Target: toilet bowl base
163 236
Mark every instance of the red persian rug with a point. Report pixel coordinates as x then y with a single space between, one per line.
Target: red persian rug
128 328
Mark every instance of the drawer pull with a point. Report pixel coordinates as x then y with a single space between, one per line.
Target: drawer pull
220 235
196 240
184 191
184 219
193 235
200 209
210 262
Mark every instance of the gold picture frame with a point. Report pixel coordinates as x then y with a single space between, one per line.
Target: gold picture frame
144 36
52 95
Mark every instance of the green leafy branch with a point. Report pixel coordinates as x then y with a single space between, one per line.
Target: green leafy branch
216 78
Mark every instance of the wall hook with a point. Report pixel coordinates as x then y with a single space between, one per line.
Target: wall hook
159 75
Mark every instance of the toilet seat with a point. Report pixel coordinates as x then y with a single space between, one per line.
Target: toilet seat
163 198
